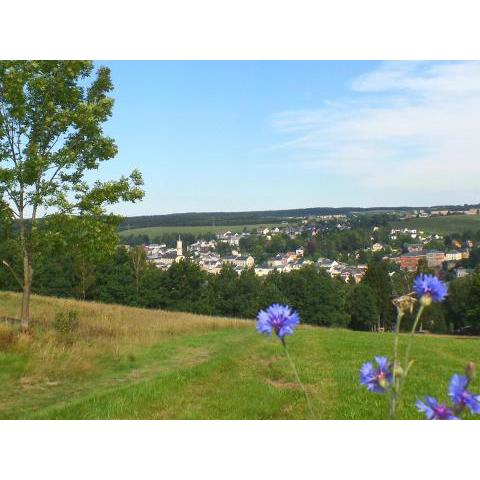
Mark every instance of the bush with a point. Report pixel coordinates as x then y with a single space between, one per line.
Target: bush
65 322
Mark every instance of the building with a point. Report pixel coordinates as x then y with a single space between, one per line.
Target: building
240 261
463 272
472 211
409 261
453 255
415 247
434 258
179 247
165 260
263 270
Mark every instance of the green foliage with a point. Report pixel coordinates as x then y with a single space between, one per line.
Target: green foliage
86 240
378 279
51 116
363 308
320 300
433 319
473 308
184 288
458 302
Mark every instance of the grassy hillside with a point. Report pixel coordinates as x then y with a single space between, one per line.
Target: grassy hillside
152 232
131 363
443 225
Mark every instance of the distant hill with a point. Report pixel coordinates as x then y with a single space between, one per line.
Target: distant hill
241 218
442 225
258 217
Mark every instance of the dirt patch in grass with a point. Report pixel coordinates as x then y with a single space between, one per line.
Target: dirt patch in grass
282 385
185 357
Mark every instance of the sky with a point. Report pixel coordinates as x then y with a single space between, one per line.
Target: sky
259 135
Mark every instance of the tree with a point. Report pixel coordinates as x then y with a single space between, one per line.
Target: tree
473 309
85 241
184 287
50 137
138 258
320 300
458 302
224 288
378 279
363 308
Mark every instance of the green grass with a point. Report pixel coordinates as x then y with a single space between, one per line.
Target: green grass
225 371
442 225
196 230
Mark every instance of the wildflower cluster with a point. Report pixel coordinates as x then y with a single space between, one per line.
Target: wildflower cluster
389 377
383 376
463 401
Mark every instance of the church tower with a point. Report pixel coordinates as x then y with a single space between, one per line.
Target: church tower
179 247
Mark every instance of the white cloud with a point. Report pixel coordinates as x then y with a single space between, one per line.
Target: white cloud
412 125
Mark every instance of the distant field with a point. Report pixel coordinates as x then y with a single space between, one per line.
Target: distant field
129 363
197 230
443 225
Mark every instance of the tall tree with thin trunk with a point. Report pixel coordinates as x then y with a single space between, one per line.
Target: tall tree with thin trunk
51 136
138 258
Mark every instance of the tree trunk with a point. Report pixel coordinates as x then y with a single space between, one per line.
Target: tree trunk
27 290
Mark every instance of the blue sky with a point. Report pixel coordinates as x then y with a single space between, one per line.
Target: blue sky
226 136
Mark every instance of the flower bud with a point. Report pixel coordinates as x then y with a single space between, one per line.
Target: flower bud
398 372
383 382
471 370
426 300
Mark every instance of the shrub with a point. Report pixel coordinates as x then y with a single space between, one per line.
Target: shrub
65 322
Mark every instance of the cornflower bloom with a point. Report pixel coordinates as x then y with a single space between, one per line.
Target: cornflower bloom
434 410
429 289
280 319
376 379
460 396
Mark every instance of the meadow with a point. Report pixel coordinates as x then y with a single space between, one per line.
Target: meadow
129 363
442 225
153 232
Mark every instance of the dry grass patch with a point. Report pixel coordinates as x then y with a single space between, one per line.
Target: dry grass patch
101 332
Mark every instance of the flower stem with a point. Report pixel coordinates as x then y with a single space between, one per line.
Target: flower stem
396 381
298 378
412 333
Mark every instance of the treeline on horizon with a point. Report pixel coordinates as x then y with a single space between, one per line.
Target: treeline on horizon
258 217
126 277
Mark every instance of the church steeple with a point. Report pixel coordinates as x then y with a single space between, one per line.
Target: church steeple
179 247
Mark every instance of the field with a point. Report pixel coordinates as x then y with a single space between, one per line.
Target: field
128 363
442 225
152 232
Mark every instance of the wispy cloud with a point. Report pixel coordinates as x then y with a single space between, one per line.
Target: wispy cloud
411 125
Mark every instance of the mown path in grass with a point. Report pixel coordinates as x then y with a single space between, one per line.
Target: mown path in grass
227 374
238 374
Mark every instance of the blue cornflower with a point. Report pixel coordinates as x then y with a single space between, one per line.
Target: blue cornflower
376 379
434 410
460 396
280 319
429 288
